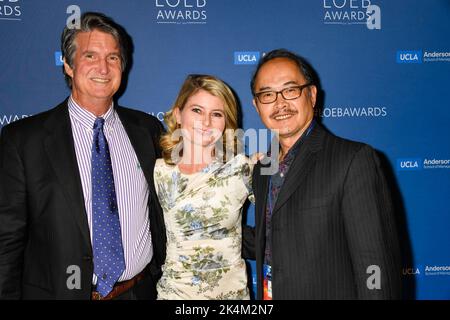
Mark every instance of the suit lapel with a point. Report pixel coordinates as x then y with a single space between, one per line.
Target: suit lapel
261 192
260 189
301 166
60 150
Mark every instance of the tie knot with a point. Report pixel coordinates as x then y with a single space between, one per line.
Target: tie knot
98 124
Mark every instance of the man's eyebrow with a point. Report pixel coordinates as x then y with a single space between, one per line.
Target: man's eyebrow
284 84
88 51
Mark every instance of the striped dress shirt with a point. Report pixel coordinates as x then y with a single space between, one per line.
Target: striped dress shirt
132 190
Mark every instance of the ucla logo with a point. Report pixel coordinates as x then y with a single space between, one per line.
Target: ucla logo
58 59
411 271
246 57
409 164
409 56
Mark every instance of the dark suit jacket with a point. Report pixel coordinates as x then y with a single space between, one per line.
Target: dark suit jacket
43 222
332 220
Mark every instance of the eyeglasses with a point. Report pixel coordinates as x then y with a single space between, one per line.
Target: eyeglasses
290 93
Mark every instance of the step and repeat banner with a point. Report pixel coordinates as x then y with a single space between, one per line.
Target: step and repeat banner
384 68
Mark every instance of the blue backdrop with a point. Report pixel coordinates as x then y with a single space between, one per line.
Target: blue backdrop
384 68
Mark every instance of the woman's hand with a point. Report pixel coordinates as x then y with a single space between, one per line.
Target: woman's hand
257 156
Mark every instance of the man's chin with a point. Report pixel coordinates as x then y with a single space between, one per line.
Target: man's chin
285 134
281 132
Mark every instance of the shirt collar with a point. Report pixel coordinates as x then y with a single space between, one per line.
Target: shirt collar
87 119
294 149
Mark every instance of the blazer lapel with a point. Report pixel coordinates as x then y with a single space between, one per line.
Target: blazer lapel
60 149
300 167
261 191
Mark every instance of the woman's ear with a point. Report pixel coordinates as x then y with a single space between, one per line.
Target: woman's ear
177 114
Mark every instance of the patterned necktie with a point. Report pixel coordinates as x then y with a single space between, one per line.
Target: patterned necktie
109 262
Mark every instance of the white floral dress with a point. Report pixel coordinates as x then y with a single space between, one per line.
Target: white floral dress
202 213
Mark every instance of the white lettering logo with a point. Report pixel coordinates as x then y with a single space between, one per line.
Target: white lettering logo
6 119
409 57
10 10
181 11
246 58
409 164
410 271
176 3
352 112
352 12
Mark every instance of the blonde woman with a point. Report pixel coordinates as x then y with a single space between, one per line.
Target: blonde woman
202 189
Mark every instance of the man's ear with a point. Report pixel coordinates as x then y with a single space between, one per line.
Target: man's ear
255 105
313 95
68 69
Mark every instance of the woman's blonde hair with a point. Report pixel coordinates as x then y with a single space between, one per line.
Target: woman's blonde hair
191 86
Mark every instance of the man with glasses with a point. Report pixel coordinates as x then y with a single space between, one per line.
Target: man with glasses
325 225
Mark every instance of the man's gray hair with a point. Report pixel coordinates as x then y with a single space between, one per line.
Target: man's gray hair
91 21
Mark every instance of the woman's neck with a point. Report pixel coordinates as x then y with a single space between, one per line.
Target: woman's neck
195 158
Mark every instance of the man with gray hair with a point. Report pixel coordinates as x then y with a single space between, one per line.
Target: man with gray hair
79 217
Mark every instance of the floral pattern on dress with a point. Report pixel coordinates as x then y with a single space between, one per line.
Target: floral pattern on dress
202 214
196 224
